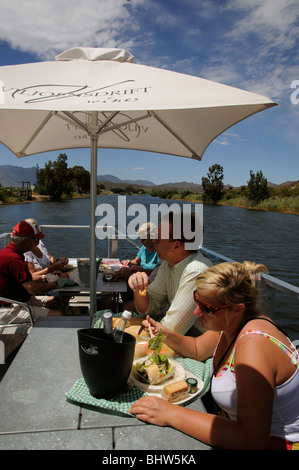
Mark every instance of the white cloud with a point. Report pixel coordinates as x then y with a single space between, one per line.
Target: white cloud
46 27
258 47
274 21
243 43
139 168
227 138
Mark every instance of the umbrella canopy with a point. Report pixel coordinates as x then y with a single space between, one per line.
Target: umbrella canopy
94 97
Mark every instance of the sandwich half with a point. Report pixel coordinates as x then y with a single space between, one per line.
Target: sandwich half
176 391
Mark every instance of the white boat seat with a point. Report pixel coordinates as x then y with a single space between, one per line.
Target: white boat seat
14 325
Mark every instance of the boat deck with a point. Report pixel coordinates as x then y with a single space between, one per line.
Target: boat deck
35 414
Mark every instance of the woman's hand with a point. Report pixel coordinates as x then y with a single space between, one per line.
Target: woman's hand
153 410
60 264
155 326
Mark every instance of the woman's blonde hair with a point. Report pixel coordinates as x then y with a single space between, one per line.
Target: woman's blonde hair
232 283
33 222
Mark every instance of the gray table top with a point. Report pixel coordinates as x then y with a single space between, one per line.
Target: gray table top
102 286
36 415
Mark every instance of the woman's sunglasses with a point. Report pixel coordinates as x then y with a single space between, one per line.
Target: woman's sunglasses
205 308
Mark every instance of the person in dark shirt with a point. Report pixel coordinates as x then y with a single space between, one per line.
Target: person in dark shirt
16 282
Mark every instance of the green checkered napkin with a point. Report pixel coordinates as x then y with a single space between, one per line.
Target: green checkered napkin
121 403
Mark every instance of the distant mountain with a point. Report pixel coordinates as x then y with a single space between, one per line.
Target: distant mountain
14 175
180 186
115 179
11 175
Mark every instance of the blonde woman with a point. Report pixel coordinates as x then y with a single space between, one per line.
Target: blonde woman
40 262
255 367
43 266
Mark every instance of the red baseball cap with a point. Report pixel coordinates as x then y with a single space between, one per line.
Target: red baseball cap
26 229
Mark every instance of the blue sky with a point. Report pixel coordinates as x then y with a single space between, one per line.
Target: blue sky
250 44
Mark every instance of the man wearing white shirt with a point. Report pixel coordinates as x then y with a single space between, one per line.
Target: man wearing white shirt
173 286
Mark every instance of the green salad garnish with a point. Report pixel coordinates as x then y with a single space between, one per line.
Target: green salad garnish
161 360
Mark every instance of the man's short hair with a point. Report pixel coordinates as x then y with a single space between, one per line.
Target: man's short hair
182 225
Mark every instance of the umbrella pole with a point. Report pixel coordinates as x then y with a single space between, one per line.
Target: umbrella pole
93 201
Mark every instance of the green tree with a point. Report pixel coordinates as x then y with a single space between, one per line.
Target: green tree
184 193
80 179
257 187
54 179
117 190
213 184
129 189
3 193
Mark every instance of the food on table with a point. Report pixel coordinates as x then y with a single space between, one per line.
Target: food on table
155 368
141 349
176 391
143 292
115 321
134 330
192 384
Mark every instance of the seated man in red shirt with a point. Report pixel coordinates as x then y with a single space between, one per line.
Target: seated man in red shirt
16 282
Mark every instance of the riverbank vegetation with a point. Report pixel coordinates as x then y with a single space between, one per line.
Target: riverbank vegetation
56 181
256 195
280 200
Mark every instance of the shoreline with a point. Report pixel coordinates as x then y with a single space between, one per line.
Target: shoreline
247 207
41 198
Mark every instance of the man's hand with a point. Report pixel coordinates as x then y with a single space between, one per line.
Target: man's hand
138 281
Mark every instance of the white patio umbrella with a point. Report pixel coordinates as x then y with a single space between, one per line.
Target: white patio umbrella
94 97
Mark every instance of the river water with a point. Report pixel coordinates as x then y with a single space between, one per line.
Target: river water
241 234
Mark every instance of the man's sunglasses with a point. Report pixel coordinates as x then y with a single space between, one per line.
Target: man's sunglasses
205 308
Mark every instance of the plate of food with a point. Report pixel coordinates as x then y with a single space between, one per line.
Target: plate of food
157 374
153 376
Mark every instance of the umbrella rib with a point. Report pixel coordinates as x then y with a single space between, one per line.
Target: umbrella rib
36 132
125 123
73 119
104 124
194 154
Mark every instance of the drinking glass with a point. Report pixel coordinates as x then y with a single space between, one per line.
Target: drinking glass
108 277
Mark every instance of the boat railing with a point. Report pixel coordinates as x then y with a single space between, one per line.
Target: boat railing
4 239
113 235
269 284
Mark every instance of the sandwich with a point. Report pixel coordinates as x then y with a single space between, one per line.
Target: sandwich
155 368
176 391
